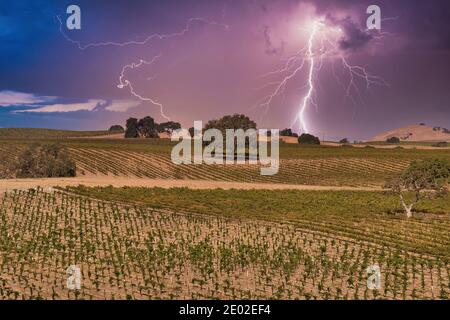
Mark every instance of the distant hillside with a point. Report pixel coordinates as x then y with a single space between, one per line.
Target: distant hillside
10 133
415 132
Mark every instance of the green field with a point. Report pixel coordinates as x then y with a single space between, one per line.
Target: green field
366 216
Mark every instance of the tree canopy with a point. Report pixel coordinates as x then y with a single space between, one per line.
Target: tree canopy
426 178
132 128
168 127
145 128
307 138
236 121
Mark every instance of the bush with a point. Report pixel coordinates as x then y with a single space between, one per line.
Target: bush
45 161
116 128
307 138
441 144
344 141
393 140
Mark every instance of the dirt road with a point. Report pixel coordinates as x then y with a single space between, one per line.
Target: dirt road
11 184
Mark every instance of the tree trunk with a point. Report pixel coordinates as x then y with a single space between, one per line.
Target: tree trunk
408 208
408 211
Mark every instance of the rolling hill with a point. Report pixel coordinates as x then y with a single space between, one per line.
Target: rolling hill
415 132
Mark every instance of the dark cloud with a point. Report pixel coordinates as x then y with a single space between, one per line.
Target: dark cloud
421 23
354 37
270 48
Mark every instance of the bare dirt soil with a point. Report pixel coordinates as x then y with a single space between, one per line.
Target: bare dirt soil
91 181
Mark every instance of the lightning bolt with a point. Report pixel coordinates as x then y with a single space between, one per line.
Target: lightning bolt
314 55
123 83
301 113
126 83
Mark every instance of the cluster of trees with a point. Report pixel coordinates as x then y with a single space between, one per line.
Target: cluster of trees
45 161
148 128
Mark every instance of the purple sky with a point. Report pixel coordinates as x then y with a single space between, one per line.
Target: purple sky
214 62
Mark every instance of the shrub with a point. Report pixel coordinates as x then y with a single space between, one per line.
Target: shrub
116 128
393 140
344 141
441 144
45 161
307 138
